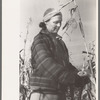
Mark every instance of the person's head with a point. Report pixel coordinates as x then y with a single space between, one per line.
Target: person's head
52 20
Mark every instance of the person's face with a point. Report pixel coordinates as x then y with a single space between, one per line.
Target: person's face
54 24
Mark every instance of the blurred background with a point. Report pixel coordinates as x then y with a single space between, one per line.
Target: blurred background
31 14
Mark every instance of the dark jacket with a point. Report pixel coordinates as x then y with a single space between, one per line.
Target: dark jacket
50 61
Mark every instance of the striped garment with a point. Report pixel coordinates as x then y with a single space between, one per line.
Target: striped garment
50 61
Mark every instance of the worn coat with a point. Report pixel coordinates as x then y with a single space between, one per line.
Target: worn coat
50 61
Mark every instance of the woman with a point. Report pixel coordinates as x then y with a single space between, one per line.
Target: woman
52 70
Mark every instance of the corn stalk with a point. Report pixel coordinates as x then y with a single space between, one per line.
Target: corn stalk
88 90
24 69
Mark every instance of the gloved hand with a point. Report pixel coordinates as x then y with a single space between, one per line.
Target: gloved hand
81 79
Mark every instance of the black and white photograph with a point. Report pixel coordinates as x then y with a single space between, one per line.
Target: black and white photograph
58 50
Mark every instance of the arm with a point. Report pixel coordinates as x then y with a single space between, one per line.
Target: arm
50 68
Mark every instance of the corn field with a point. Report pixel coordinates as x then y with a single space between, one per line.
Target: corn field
89 91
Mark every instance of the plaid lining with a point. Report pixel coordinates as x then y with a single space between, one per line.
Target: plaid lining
45 82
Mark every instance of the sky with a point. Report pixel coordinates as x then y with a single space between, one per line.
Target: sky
74 41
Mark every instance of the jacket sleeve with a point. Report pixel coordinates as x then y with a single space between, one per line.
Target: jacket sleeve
49 67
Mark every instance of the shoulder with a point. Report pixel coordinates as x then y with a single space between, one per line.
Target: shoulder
38 36
38 40
41 38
